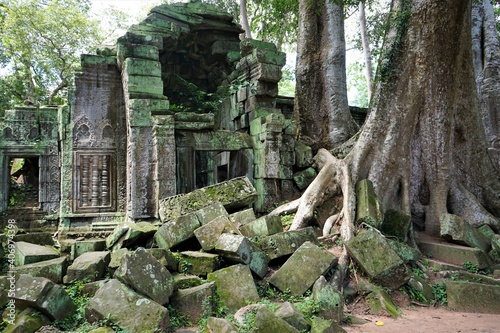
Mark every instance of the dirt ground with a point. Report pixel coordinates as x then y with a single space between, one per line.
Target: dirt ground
416 319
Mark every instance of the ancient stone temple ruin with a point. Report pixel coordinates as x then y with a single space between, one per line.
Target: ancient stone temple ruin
179 103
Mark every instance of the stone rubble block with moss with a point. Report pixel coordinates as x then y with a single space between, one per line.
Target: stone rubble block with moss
456 229
195 302
321 325
120 305
368 208
371 251
142 67
43 295
235 286
233 194
165 257
419 284
303 268
145 274
242 217
304 178
328 299
208 234
289 313
263 226
285 243
80 247
266 321
175 232
135 234
29 320
27 253
396 224
53 269
454 254
4 288
90 266
216 325
303 155
127 50
240 249
185 281
208 213
404 251
473 297
198 263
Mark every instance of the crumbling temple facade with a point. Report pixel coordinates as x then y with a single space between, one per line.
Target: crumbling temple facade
133 133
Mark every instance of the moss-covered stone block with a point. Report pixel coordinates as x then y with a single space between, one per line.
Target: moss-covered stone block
368 208
184 281
195 302
175 232
242 217
90 266
140 51
27 321
240 249
233 194
27 253
396 224
165 257
80 247
313 262
208 213
321 325
486 231
455 229
265 321
329 300
247 46
453 253
145 274
304 178
373 254
219 325
264 226
208 234
404 251
119 304
197 263
227 278
142 67
286 243
289 313
151 85
53 269
473 297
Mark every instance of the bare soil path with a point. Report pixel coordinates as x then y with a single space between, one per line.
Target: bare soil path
429 319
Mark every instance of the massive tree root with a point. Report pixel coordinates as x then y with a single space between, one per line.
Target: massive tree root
423 146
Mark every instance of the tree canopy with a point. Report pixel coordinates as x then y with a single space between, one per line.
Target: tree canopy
40 44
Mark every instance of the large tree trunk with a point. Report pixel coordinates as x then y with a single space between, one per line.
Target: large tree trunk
486 51
423 146
244 19
321 92
367 54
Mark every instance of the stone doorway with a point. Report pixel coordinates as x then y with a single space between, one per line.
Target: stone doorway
24 173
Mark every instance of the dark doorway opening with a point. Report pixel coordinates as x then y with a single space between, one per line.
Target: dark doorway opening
24 182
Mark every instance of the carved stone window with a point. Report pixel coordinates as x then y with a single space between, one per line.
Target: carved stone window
94 187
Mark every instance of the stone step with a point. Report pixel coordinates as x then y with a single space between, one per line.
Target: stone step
454 254
104 226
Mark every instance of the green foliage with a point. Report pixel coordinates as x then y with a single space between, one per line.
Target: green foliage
41 42
356 86
415 294
76 319
439 290
470 267
177 319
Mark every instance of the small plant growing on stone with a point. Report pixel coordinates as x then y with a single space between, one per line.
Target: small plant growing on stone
471 268
439 290
177 319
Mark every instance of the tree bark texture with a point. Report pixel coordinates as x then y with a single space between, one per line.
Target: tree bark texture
367 55
244 19
321 105
424 145
486 55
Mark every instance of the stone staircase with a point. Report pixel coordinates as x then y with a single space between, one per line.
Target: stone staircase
466 291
